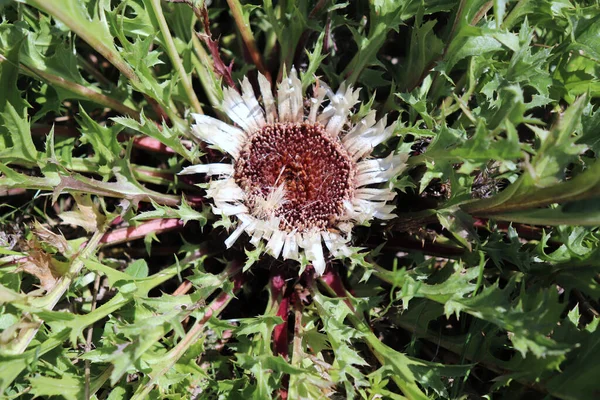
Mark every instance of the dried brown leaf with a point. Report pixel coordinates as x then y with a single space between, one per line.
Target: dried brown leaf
220 67
40 264
86 215
53 239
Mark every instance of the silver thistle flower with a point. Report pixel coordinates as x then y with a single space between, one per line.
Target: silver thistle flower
298 180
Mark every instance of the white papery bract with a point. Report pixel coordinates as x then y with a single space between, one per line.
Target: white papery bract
300 175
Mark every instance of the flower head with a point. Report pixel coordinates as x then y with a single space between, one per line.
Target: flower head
300 174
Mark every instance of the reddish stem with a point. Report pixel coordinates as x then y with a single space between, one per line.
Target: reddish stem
280 332
194 200
283 394
183 288
155 174
160 112
218 303
333 279
12 192
402 242
219 66
137 232
151 144
525 231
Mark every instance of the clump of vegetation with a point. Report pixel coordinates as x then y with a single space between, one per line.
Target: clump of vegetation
117 277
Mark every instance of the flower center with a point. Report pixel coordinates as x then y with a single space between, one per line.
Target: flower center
295 172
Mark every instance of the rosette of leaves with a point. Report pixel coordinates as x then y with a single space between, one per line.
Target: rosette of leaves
114 279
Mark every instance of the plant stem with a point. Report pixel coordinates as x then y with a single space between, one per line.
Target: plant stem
205 67
87 66
515 13
585 185
88 341
405 379
247 36
61 11
114 304
137 232
77 89
376 39
100 380
174 56
213 309
297 348
279 305
96 34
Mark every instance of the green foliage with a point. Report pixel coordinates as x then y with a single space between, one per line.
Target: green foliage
17 144
114 280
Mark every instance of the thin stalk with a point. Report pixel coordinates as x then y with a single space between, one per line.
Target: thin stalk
320 4
100 380
60 11
114 304
204 66
88 341
515 13
247 36
80 184
144 286
152 175
384 354
95 33
193 335
174 56
12 192
360 59
279 305
89 68
78 89
143 174
297 349
140 231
